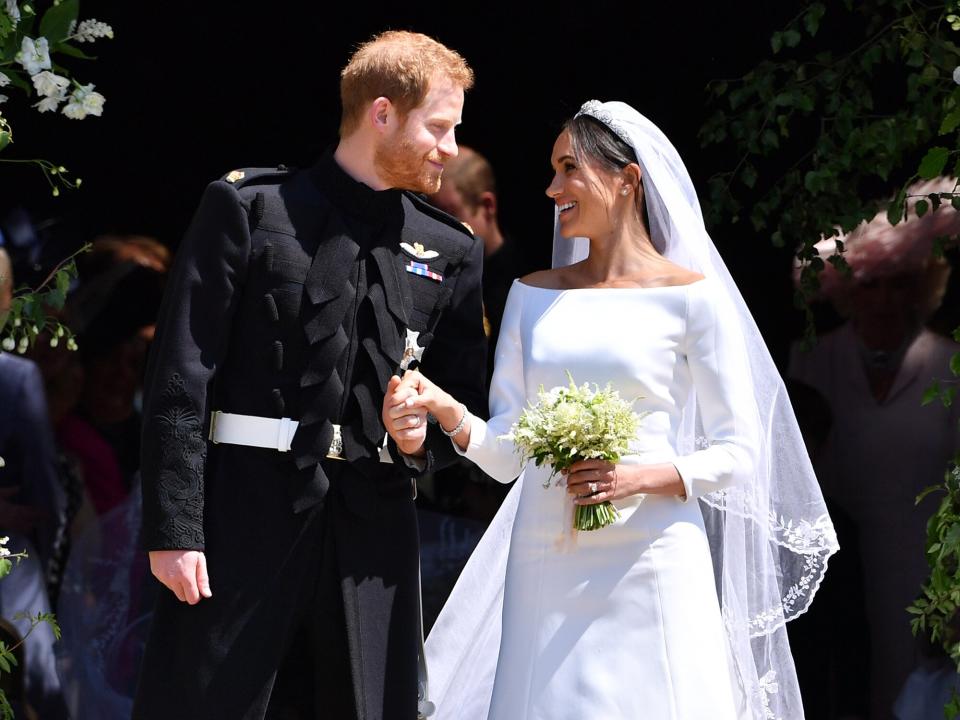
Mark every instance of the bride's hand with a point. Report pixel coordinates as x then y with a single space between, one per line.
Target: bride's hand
429 397
594 481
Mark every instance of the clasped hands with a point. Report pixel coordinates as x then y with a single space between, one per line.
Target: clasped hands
406 404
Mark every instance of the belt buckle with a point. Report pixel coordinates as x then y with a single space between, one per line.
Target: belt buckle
336 444
214 417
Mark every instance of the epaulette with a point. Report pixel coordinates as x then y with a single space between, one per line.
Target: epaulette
257 176
422 204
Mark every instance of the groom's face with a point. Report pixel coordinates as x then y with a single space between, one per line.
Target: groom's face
412 154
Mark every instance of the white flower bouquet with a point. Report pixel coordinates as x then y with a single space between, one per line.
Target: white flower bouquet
571 423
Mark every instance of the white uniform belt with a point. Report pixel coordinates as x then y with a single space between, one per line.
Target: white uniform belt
271 433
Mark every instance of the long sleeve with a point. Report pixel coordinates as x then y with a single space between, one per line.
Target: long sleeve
720 371
191 342
498 458
457 358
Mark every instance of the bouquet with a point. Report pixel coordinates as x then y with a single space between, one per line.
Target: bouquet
571 423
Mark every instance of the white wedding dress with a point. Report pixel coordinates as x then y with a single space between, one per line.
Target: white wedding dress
622 623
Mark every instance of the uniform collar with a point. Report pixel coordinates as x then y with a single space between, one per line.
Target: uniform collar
352 196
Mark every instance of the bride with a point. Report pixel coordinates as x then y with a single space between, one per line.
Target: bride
677 610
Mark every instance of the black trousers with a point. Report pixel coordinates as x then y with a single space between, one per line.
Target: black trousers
272 641
313 681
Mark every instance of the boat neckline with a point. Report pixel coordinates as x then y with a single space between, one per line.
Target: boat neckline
616 289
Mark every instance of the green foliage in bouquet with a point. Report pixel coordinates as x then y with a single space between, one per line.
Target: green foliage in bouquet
572 423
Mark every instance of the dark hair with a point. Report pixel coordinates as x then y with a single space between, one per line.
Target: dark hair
594 141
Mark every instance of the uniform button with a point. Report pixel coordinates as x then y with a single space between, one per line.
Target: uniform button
270 305
278 403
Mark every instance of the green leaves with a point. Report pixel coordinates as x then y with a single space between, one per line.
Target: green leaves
789 38
73 51
898 207
29 319
776 42
933 162
807 140
55 24
930 394
811 20
926 492
950 122
7 659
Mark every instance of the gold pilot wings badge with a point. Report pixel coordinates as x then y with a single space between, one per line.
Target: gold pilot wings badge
418 251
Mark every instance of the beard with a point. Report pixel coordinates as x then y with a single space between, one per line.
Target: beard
402 166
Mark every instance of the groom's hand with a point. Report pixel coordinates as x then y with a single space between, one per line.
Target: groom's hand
184 572
406 425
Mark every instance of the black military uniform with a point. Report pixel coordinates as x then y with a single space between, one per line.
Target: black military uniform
292 297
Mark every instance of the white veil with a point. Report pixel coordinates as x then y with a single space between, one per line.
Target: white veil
770 540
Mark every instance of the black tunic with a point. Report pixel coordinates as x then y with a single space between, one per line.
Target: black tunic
290 298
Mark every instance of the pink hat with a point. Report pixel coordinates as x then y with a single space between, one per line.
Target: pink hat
877 249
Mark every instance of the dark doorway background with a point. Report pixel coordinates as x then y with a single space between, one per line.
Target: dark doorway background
196 89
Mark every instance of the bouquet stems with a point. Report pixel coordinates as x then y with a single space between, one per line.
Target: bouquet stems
594 517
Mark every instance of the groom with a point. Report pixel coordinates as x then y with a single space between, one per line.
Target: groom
277 513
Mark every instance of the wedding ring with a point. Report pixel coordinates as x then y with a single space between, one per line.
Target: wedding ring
593 488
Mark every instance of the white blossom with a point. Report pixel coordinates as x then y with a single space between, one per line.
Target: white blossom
49 84
6 538
49 104
23 345
54 342
84 101
956 74
3 99
13 10
34 55
4 80
9 344
90 30
4 552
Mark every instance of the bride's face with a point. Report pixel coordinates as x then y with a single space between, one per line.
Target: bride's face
584 193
